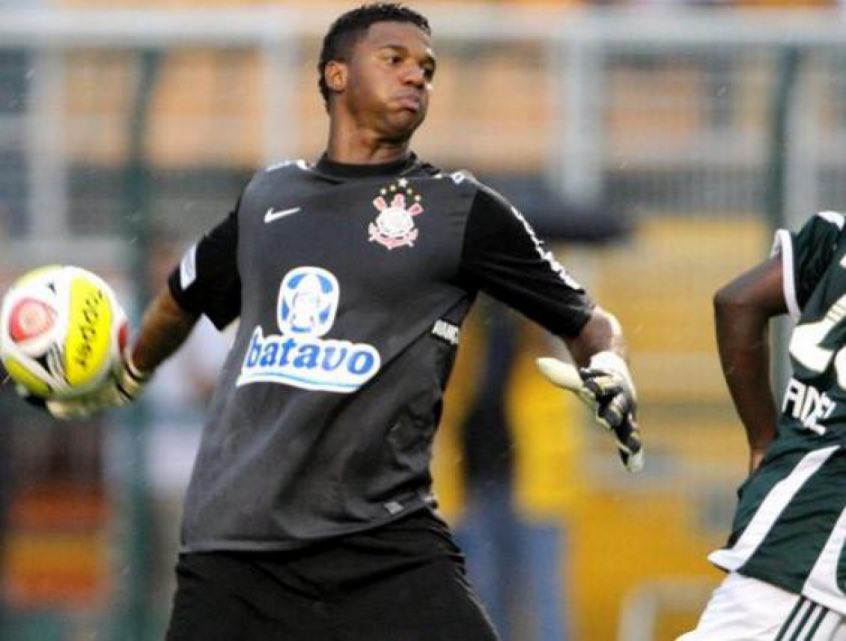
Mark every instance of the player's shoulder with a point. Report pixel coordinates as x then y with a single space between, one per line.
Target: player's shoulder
297 165
823 231
481 196
287 168
458 179
281 171
831 221
420 168
484 196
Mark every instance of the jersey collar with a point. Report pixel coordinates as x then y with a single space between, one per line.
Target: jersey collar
344 170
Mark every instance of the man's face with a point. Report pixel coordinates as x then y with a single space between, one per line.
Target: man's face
389 78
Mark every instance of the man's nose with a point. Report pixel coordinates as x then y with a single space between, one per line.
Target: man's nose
416 76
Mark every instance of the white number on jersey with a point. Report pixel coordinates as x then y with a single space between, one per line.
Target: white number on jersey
805 343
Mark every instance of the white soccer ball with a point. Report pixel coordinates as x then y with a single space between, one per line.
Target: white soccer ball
62 330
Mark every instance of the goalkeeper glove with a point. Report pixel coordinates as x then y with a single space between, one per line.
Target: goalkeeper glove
612 393
606 386
610 387
123 385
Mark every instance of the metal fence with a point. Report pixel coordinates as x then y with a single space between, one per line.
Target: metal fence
658 113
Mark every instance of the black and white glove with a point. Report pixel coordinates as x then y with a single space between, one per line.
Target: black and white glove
606 386
123 385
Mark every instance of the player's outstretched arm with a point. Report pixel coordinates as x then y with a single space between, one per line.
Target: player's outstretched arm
742 310
164 327
603 381
602 333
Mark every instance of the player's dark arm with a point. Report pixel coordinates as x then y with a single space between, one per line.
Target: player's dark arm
601 333
164 327
503 257
742 310
205 282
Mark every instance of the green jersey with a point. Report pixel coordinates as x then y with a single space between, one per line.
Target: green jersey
790 524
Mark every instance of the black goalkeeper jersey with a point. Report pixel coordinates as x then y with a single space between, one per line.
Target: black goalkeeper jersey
351 284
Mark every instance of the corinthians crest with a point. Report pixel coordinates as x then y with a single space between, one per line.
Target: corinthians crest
394 226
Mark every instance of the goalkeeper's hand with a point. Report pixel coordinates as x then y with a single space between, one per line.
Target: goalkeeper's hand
610 387
612 394
607 387
123 385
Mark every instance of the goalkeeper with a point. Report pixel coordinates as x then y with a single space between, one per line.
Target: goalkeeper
310 512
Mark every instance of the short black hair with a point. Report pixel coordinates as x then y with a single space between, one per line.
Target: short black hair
349 27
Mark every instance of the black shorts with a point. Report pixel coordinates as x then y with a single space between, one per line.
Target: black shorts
404 581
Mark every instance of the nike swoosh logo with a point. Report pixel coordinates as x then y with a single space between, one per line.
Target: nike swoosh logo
273 214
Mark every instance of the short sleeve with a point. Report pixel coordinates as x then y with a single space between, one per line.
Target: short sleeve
503 257
806 255
206 281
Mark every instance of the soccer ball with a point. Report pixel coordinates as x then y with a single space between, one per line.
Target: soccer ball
61 331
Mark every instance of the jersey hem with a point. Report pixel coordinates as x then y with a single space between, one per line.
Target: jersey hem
291 544
722 559
822 598
777 581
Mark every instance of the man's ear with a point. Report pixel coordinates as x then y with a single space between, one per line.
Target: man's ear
335 73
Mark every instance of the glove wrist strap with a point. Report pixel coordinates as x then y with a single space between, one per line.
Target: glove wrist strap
133 370
612 361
